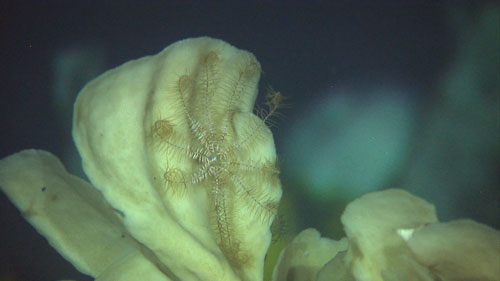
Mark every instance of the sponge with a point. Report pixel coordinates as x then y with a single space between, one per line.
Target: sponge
172 143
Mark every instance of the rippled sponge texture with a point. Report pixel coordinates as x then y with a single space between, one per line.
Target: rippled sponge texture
172 143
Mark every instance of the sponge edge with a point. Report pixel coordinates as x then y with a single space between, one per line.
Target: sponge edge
392 236
377 216
66 210
113 119
458 250
133 267
306 256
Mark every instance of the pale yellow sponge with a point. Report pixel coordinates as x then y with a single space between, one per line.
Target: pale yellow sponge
306 256
373 222
172 143
393 235
458 250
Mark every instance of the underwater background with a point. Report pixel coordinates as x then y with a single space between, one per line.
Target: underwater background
379 95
